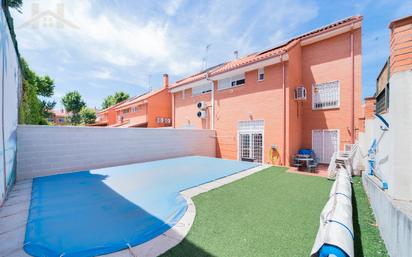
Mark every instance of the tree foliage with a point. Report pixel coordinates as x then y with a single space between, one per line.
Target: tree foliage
16 4
114 99
34 110
73 103
88 115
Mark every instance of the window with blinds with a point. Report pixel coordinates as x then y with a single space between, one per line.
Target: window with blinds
203 89
325 95
238 80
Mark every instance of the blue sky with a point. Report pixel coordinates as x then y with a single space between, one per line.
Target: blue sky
118 44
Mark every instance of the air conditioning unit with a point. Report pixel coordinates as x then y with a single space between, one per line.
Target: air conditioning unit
201 105
300 93
202 114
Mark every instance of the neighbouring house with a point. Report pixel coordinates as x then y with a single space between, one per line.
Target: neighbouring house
388 144
266 106
150 110
382 89
58 117
106 117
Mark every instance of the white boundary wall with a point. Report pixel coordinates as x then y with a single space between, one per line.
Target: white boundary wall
373 131
45 150
10 79
393 207
395 225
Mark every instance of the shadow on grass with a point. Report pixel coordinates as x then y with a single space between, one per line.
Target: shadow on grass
356 227
186 249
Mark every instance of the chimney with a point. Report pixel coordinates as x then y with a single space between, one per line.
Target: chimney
165 80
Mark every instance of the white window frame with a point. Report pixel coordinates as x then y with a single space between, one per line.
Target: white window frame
250 131
134 109
230 81
323 84
323 147
261 71
204 89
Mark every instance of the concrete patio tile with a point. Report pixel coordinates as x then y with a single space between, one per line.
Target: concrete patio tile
18 253
14 239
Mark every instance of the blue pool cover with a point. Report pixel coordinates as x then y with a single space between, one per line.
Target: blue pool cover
96 212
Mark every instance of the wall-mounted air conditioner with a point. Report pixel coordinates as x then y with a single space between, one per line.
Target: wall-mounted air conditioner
300 93
202 114
201 105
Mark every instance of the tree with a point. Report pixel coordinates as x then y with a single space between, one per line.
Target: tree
16 4
73 103
88 115
32 109
114 99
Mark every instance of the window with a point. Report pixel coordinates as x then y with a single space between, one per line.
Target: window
382 100
203 89
234 81
325 95
126 110
261 74
134 109
250 140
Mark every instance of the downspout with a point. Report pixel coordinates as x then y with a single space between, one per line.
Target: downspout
212 117
147 113
173 110
284 109
353 84
2 126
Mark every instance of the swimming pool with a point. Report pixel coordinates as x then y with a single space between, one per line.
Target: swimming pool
101 211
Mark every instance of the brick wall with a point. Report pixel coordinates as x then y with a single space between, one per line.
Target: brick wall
45 150
331 60
323 61
401 45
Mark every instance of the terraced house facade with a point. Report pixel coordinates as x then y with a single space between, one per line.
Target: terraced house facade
149 110
266 106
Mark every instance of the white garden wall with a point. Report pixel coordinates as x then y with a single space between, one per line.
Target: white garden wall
373 131
10 79
45 150
393 207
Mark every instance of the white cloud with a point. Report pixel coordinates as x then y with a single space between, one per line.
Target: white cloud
123 46
172 6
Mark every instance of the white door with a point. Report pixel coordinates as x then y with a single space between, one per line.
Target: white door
325 143
250 140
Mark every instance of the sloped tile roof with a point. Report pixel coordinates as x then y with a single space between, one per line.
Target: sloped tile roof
261 56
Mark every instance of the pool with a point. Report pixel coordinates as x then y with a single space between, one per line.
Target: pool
100 211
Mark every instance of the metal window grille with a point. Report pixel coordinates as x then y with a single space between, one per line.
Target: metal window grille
325 95
257 141
251 134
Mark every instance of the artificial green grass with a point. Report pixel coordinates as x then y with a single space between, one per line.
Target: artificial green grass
270 213
368 242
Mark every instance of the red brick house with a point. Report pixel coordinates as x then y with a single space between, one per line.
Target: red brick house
267 105
149 110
